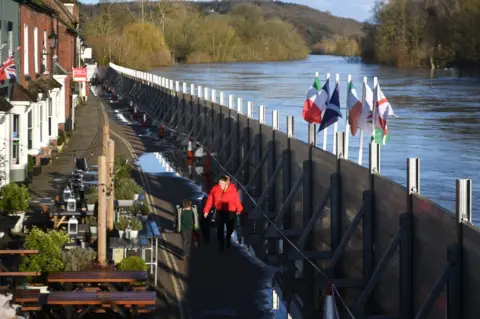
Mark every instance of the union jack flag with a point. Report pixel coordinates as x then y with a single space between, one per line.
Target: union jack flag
8 70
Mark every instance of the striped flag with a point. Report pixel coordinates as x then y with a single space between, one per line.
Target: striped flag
316 101
354 106
332 112
8 69
383 110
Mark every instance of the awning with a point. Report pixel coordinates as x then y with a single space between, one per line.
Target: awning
20 93
5 106
47 82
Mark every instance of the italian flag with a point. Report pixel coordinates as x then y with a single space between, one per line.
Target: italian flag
354 106
316 102
383 110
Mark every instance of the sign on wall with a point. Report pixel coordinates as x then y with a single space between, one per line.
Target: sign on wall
80 74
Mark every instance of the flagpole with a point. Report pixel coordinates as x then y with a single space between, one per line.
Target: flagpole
337 80
364 98
325 131
347 125
374 106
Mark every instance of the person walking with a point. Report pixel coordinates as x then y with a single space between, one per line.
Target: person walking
225 200
187 222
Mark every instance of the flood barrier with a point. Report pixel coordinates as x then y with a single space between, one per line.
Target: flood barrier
390 252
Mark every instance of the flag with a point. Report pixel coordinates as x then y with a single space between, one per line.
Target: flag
316 102
8 70
383 110
365 121
332 112
354 106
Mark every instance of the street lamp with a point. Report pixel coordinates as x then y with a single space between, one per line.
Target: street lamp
52 39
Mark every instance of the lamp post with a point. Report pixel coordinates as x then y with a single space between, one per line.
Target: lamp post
52 41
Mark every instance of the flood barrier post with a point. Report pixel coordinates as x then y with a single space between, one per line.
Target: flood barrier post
312 134
463 215
406 249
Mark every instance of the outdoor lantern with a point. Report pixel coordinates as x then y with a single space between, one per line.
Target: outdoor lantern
67 193
73 226
71 205
52 39
82 46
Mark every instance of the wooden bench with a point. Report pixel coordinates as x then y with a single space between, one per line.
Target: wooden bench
98 277
28 299
21 252
81 298
19 274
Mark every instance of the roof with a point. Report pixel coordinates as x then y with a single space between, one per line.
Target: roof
34 88
20 93
5 106
47 82
53 7
58 69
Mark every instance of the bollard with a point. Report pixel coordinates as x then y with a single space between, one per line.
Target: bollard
190 149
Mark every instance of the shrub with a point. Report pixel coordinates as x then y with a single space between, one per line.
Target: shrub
15 198
49 245
92 196
133 263
122 169
126 188
79 259
136 224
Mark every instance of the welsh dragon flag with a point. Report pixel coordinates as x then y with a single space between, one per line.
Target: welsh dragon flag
354 106
316 102
383 110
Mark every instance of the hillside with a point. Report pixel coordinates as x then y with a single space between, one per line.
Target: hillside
312 24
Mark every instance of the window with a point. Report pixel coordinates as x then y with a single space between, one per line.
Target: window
16 139
44 50
41 122
10 38
25 50
35 50
50 118
30 130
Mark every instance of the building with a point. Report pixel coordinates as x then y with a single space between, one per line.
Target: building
37 105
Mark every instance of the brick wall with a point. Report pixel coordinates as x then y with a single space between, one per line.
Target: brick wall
43 23
66 59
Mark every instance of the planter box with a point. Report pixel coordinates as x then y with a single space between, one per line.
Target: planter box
91 207
43 289
125 202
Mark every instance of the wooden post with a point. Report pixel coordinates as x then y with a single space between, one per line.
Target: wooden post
110 200
106 137
102 210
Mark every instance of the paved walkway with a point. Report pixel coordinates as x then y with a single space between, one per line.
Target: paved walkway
85 142
213 285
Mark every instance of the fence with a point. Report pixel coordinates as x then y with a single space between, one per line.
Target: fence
389 251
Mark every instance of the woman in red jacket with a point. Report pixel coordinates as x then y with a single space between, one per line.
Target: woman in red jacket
224 198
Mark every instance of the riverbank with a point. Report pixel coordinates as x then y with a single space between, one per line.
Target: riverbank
192 36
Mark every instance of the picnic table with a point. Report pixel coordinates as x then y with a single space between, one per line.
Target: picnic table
103 279
5 272
85 302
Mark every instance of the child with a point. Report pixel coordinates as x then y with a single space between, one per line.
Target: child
187 222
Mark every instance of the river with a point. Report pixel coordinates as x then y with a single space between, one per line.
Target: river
437 113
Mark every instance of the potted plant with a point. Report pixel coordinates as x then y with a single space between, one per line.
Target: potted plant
125 191
132 263
15 200
78 259
49 259
92 198
141 209
136 225
121 225
92 222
